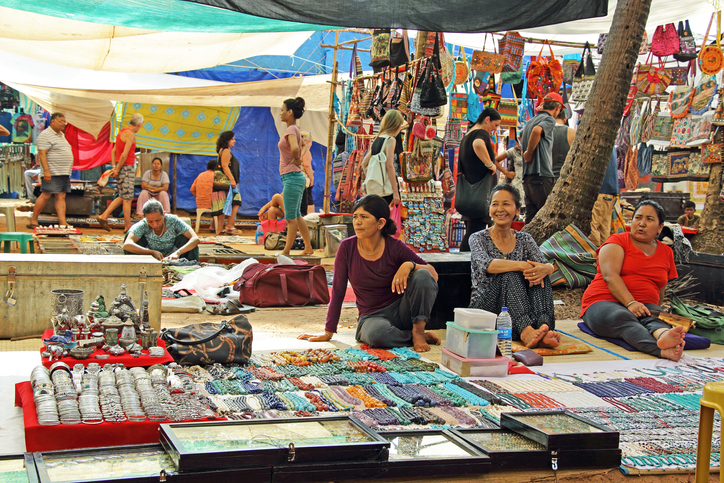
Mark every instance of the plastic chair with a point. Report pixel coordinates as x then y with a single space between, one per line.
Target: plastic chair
712 399
24 239
199 212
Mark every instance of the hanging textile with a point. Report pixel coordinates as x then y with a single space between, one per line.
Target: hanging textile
177 129
88 151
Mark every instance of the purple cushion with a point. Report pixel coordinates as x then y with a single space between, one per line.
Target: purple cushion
693 342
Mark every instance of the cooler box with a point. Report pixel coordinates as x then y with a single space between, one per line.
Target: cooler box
475 319
497 367
471 343
314 231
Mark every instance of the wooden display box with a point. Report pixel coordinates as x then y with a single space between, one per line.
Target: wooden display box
429 453
559 430
36 275
274 442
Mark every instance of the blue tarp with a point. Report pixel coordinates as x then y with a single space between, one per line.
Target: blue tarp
258 155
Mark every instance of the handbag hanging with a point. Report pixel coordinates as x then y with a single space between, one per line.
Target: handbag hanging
601 43
687 44
473 103
703 95
718 119
355 68
447 63
584 76
458 106
645 45
221 181
711 58
462 71
508 110
354 118
415 105
651 80
665 40
512 46
417 166
678 75
545 74
486 61
432 91
380 51
210 342
400 50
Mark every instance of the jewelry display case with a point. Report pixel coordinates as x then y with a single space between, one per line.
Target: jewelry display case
559 430
432 453
130 464
18 469
510 450
273 442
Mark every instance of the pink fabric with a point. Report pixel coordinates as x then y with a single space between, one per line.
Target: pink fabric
285 150
88 151
146 195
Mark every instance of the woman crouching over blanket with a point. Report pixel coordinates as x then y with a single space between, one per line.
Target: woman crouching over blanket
633 269
395 289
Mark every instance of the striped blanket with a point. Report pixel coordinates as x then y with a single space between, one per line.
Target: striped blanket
573 255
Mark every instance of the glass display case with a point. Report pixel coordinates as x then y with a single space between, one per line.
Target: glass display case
233 444
18 469
559 430
432 453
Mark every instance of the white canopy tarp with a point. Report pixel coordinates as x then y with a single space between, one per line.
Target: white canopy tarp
121 49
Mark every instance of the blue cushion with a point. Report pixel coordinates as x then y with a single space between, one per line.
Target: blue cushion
693 342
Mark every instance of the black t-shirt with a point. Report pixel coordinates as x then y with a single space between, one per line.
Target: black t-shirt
472 165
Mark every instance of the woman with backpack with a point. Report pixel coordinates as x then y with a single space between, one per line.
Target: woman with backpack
383 182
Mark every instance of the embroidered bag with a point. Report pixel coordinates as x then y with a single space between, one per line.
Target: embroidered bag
601 43
700 130
486 61
711 58
647 125
645 45
678 75
380 51
403 103
660 164
718 119
698 170
545 74
508 110
221 181
584 76
492 100
368 97
458 106
651 80
663 127
681 132
665 40
711 153
512 46
703 94
631 96
354 118
462 71
447 63
687 45
569 69
422 128
678 164
680 100
453 132
355 68
417 166
481 82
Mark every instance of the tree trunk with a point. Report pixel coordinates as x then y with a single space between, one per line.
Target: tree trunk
710 238
575 193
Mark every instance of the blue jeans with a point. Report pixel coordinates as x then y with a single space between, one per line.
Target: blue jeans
294 185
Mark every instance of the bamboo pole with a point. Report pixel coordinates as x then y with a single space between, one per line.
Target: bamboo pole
330 132
175 184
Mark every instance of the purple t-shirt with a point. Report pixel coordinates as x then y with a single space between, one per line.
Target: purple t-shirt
371 281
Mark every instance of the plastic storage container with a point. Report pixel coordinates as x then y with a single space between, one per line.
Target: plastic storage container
496 367
475 319
471 343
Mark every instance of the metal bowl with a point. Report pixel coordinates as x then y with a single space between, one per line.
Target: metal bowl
81 352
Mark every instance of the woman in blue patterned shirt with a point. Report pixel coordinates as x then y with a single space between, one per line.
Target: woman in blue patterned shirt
161 235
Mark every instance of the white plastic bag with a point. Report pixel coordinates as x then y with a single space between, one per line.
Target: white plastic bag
207 281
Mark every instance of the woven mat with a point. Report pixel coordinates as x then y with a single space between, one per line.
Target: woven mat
568 346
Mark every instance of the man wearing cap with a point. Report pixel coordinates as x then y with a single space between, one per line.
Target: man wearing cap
562 141
536 139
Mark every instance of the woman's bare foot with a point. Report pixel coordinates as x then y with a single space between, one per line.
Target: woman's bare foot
673 353
419 337
551 340
671 338
531 337
431 338
308 252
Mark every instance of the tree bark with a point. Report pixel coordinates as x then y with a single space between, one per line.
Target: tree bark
710 238
575 193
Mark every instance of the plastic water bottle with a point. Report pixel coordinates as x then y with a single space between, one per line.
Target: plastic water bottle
259 234
504 324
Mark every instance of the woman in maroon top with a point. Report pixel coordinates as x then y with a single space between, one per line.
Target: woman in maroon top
395 289
633 269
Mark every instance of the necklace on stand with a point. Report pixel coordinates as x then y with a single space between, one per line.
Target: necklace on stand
366 253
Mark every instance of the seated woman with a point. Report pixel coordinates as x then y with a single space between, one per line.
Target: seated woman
203 187
274 210
155 186
509 270
395 289
633 269
162 236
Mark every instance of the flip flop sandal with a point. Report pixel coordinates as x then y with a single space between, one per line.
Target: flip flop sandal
31 226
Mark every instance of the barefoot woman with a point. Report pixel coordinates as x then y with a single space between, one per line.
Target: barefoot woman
633 269
509 270
395 289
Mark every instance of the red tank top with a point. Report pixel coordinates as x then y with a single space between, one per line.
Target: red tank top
120 145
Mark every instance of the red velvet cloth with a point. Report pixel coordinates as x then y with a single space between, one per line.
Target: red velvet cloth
144 360
89 151
62 436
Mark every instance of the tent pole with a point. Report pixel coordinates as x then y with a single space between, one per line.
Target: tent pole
332 124
175 183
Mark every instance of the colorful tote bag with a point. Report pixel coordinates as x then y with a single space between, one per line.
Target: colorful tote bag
651 80
698 170
660 164
458 106
545 74
380 52
508 110
512 46
665 40
678 164
711 153
703 94
711 58
681 132
700 131
687 44
462 70
678 75
663 128
718 119
487 61
680 100
569 69
584 76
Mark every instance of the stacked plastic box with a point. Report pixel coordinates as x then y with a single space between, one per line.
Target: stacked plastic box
470 345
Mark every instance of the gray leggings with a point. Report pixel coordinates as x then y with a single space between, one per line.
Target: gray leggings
392 326
612 319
